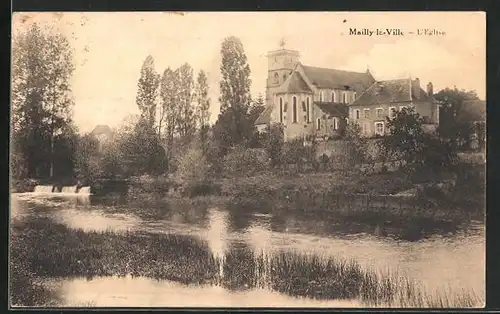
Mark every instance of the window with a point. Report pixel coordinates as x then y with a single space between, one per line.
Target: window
284 77
357 114
335 123
320 96
308 114
366 113
318 124
392 112
281 110
294 110
354 96
380 112
344 96
333 96
379 128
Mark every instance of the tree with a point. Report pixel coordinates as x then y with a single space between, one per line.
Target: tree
233 126
203 108
171 105
456 123
187 118
256 108
147 91
408 142
42 66
273 143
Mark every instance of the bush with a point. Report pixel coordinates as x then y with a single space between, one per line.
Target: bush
192 166
245 161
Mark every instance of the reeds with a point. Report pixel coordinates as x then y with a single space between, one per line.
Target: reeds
43 249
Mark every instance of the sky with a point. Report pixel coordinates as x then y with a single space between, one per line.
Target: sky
110 47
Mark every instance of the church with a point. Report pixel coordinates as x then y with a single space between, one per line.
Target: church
309 100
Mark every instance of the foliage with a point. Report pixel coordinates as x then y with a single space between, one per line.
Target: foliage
203 102
192 166
233 126
147 92
245 161
408 142
456 122
187 118
273 143
141 151
88 161
42 66
357 146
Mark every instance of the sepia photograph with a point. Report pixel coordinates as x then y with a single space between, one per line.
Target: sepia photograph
247 159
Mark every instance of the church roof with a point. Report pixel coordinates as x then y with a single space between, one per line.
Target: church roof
295 84
333 109
101 129
265 116
333 78
392 91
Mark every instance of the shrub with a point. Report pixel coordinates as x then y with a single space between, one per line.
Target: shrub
245 161
192 166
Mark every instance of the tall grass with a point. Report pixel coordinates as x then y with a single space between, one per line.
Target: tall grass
42 249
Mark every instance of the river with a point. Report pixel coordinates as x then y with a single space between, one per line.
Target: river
439 262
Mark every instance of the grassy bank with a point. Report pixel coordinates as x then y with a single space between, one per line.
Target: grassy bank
44 249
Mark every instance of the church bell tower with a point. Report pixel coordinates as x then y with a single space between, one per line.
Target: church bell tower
280 64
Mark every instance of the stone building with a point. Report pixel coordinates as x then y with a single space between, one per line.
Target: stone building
308 100
384 98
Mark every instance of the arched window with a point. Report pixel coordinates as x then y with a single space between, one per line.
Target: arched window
333 96
318 124
294 109
281 110
308 108
344 95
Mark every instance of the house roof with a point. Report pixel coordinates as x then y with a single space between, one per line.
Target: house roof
101 129
333 109
333 78
391 91
265 116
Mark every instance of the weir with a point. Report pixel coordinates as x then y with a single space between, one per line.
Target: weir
84 190
69 189
43 189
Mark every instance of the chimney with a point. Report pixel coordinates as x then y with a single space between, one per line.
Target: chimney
415 88
430 90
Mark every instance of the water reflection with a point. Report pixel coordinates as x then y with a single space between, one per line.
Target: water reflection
143 292
217 236
437 261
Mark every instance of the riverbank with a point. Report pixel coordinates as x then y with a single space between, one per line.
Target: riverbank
43 249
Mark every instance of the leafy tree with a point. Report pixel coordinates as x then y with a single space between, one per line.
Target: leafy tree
456 123
203 108
147 92
187 118
256 108
42 66
88 158
141 151
171 108
357 145
408 142
273 143
233 126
